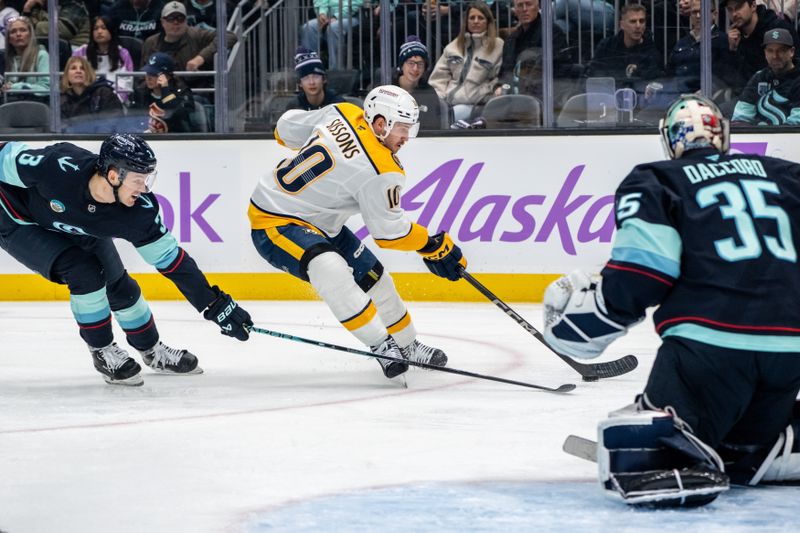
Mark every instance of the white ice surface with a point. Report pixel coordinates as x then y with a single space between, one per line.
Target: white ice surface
279 435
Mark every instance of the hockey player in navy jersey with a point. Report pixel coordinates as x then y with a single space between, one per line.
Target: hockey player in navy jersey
711 239
62 205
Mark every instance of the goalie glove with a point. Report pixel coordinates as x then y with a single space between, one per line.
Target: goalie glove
443 257
576 321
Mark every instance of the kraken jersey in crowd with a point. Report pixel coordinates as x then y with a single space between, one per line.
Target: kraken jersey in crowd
49 187
770 99
713 239
341 169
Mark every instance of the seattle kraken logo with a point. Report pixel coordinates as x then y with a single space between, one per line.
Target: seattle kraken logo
57 206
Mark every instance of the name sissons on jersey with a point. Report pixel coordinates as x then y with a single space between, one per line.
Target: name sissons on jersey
699 172
344 138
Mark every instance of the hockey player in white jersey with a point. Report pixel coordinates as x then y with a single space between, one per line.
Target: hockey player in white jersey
346 164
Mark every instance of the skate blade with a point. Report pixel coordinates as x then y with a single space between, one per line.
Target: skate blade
133 381
164 371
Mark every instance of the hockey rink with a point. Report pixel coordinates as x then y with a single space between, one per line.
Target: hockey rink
283 436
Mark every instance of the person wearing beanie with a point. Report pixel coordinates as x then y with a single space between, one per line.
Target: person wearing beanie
312 90
412 66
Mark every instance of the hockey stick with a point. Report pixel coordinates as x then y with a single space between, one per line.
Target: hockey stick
589 371
581 448
563 388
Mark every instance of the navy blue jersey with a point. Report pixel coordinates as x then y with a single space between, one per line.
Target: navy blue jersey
49 187
712 239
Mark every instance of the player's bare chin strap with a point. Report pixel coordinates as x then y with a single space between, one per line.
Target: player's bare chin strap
115 188
332 278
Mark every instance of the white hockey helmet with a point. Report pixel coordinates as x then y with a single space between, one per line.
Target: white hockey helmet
394 104
693 122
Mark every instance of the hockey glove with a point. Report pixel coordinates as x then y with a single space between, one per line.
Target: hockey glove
443 257
576 321
232 319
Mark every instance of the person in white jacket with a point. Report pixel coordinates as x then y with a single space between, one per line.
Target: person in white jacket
467 70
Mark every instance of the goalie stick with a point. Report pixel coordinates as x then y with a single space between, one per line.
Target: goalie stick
562 388
581 448
589 371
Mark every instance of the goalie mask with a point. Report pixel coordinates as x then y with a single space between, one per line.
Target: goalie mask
394 105
693 122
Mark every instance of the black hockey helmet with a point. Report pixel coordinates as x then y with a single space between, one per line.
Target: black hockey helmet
127 153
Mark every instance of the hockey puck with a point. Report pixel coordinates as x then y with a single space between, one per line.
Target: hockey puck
590 378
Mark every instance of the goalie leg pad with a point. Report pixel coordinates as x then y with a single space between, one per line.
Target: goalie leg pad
647 459
332 278
576 321
779 463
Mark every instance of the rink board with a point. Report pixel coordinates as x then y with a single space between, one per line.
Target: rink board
523 209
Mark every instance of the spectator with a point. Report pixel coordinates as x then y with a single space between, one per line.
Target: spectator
83 94
684 61
466 73
7 13
630 56
169 102
785 8
23 54
107 57
136 18
313 92
748 24
527 37
772 96
327 21
73 20
447 15
586 16
191 49
203 13
411 74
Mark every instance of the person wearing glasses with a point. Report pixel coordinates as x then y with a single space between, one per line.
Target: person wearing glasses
191 48
61 207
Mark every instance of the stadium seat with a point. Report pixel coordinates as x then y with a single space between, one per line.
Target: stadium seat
513 111
24 117
588 110
134 47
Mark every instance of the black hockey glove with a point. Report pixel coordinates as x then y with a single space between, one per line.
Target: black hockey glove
232 319
443 257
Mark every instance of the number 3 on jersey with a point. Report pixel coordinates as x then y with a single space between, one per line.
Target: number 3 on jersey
736 200
311 163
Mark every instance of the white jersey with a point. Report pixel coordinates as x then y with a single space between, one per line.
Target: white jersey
341 169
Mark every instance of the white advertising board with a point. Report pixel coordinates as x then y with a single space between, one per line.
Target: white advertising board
514 204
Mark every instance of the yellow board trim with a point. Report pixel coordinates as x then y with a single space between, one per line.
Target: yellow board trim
282 286
361 319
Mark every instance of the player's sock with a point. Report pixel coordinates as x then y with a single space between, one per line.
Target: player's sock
389 347
166 360
116 365
422 353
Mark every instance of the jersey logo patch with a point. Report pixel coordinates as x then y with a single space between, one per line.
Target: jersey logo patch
64 161
57 206
146 201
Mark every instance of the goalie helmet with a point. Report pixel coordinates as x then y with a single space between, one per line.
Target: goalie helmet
693 122
127 153
394 105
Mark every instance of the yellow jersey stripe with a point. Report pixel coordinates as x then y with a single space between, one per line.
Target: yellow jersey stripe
400 325
416 238
285 244
362 318
381 157
260 219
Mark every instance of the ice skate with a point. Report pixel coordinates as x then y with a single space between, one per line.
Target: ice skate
116 366
389 347
422 353
166 360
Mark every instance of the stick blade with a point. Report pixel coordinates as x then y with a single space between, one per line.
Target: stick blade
609 369
580 447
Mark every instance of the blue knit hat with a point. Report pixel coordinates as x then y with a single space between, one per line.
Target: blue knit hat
412 47
307 62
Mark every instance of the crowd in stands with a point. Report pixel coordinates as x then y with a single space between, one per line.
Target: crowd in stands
118 58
